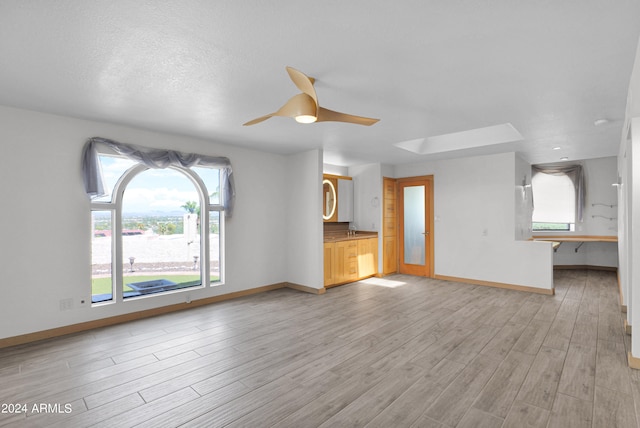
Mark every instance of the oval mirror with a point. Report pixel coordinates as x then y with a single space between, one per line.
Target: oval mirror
330 200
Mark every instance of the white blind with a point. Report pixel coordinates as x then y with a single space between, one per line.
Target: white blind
554 199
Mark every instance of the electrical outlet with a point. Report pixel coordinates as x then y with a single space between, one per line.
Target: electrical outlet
66 304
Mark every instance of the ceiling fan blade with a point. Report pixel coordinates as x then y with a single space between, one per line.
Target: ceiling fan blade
258 120
326 115
298 105
303 82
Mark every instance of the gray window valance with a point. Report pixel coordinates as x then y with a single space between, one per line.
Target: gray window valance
574 172
153 158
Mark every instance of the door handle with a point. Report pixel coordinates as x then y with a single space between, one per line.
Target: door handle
425 233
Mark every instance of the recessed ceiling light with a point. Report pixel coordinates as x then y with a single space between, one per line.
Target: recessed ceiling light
564 158
600 122
556 148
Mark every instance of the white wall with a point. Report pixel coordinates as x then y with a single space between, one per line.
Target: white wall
304 220
599 174
367 203
629 239
629 209
523 200
45 245
474 213
624 214
335 169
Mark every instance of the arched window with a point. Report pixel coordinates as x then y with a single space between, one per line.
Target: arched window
156 231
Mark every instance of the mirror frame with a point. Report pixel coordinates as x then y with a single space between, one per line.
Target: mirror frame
332 212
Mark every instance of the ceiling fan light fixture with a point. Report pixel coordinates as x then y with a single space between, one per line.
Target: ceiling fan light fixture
304 107
305 118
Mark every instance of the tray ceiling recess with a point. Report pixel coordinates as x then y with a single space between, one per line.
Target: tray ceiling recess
474 138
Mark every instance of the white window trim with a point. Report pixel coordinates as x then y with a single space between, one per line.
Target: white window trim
115 206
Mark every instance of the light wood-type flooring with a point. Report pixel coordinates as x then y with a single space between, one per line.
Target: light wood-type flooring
394 352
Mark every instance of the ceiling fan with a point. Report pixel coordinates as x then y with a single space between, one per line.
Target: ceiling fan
304 107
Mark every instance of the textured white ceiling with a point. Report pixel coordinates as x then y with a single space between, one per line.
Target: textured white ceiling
425 68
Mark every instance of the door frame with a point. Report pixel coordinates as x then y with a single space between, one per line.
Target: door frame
429 221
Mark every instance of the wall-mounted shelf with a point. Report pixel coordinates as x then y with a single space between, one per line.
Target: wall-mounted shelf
559 240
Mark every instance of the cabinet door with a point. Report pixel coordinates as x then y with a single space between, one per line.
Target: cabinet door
346 261
352 261
345 200
373 246
329 263
364 262
367 257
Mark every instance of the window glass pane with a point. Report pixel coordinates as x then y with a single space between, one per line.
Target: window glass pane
211 179
161 238
414 225
214 246
113 167
554 199
101 250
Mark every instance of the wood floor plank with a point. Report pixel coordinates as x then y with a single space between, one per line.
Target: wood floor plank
332 402
428 354
559 334
548 310
585 330
320 366
99 414
426 422
363 409
418 397
525 313
147 411
454 402
613 409
576 290
579 372
57 389
197 407
523 415
541 383
504 340
498 395
612 371
568 309
466 351
285 404
610 326
476 418
532 337
635 389
570 412
442 347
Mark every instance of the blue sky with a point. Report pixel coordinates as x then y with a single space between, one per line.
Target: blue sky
155 190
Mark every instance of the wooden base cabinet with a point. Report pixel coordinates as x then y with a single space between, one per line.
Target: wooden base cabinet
329 263
367 257
348 261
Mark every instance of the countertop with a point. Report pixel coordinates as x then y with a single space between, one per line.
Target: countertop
344 236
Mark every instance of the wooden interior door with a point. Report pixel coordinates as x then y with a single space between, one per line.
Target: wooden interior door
415 212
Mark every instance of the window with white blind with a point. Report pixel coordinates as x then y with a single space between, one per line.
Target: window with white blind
554 202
